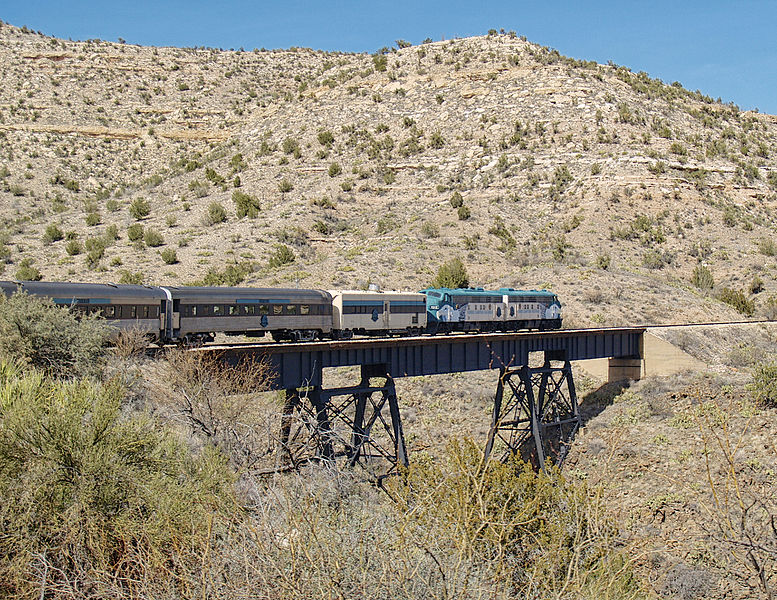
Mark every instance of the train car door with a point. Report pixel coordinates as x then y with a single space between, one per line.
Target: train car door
386 315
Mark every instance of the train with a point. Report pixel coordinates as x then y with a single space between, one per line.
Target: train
194 315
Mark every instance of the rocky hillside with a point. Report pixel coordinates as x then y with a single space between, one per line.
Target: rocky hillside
300 167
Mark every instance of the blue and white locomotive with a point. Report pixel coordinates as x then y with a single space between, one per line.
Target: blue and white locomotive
477 309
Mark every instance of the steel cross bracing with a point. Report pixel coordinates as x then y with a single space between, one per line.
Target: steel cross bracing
535 410
347 422
539 418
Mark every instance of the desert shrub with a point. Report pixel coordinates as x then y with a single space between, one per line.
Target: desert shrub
92 219
538 534
603 261
27 272
436 140
139 209
763 386
232 275
335 169
655 259
326 138
756 285
96 498
73 247
463 213
456 200
131 278
767 247
52 234
285 186
739 300
245 205
135 232
36 332
346 185
451 274
281 255
153 238
702 278
216 214
430 230
169 256
111 234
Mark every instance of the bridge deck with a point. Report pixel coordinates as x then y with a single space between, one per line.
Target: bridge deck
296 365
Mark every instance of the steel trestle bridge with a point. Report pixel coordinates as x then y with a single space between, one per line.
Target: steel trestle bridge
535 411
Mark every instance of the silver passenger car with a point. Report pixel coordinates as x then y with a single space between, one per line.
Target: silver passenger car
288 314
123 306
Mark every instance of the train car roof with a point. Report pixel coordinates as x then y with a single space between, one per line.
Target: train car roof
230 293
382 294
484 292
65 289
8 288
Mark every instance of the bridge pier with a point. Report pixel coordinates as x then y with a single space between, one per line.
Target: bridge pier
347 422
539 415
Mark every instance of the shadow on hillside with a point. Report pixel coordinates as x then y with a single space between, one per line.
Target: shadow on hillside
594 403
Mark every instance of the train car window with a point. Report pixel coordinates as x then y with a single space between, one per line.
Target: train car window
277 309
217 310
194 310
512 311
145 312
304 309
234 310
133 311
110 311
291 309
264 309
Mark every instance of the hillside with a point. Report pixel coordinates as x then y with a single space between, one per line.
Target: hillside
566 171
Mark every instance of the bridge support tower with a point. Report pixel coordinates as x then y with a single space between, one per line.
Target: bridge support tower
535 413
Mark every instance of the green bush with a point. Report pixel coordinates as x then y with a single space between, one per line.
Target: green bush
92 219
27 272
52 234
104 499
451 274
282 255
73 247
764 384
128 277
153 238
536 534
216 214
456 200
285 186
463 213
169 256
739 300
135 232
335 169
245 205
139 209
232 275
36 332
702 278
326 138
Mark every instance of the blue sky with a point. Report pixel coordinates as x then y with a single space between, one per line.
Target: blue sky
726 49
